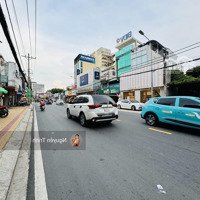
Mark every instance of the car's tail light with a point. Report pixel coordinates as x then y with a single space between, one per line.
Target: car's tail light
94 106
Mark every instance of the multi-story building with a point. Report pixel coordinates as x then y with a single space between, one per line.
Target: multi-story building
83 64
146 70
103 57
14 85
37 89
125 45
3 75
89 82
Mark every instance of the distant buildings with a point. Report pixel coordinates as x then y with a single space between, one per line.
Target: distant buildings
12 80
82 64
37 89
128 73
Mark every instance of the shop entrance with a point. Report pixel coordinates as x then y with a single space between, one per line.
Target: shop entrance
129 95
146 94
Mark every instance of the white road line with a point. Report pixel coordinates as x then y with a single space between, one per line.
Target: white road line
118 120
40 182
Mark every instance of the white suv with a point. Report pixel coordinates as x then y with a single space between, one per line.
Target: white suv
93 108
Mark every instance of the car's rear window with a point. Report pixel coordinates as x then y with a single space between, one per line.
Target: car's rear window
102 99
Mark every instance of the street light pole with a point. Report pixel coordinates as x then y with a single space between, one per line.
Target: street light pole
142 33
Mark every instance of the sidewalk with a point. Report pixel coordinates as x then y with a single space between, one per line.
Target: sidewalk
10 123
15 136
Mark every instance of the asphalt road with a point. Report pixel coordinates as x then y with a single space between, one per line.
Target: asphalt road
124 160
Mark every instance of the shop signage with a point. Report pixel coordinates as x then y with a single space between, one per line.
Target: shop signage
124 37
87 58
96 75
112 88
84 80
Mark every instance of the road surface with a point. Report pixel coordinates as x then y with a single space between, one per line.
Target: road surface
124 160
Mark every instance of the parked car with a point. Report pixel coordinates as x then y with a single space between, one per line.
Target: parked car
177 110
93 108
59 102
131 105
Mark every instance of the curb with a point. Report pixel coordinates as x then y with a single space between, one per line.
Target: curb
10 158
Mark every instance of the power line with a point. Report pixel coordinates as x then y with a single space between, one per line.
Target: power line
35 27
14 33
159 60
193 60
16 18
7 35
148 71
27 10
35 34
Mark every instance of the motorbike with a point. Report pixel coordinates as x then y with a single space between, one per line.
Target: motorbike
42 107
3 111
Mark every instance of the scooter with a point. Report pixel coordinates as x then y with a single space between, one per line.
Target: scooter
3 111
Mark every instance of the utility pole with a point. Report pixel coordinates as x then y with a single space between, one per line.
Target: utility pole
29 76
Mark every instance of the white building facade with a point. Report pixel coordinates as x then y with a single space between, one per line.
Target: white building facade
146 59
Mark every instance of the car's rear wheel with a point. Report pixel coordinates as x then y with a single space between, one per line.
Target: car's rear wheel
118 106
133 108
68 114
151 119
82 119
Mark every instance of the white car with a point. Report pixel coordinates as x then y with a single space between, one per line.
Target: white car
59 102
132 105
93 108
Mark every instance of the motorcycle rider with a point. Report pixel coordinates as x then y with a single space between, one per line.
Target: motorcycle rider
42 103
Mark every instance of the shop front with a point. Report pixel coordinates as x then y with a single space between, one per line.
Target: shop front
145 94
130 95
111 88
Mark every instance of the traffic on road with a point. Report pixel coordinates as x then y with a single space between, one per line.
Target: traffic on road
125 159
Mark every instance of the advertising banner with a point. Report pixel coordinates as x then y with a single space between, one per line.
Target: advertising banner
87 58
84 80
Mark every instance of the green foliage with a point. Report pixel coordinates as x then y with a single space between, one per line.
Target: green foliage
195 72
56 90
178 78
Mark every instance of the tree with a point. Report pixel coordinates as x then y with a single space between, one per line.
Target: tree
56 90
195 72
178 78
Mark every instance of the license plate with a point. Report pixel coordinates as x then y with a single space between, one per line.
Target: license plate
106 106
107 115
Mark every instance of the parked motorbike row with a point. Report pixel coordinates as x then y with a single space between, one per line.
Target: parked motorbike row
3 111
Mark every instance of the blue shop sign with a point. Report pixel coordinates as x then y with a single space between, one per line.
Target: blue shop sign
124 37
84 80
87 58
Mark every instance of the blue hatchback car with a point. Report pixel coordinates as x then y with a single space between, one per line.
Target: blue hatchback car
177 110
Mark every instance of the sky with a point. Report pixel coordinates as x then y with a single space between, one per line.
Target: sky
67 28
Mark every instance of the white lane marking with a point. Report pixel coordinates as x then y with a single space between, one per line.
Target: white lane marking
118 120
40 182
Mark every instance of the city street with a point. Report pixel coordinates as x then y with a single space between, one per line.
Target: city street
124 160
